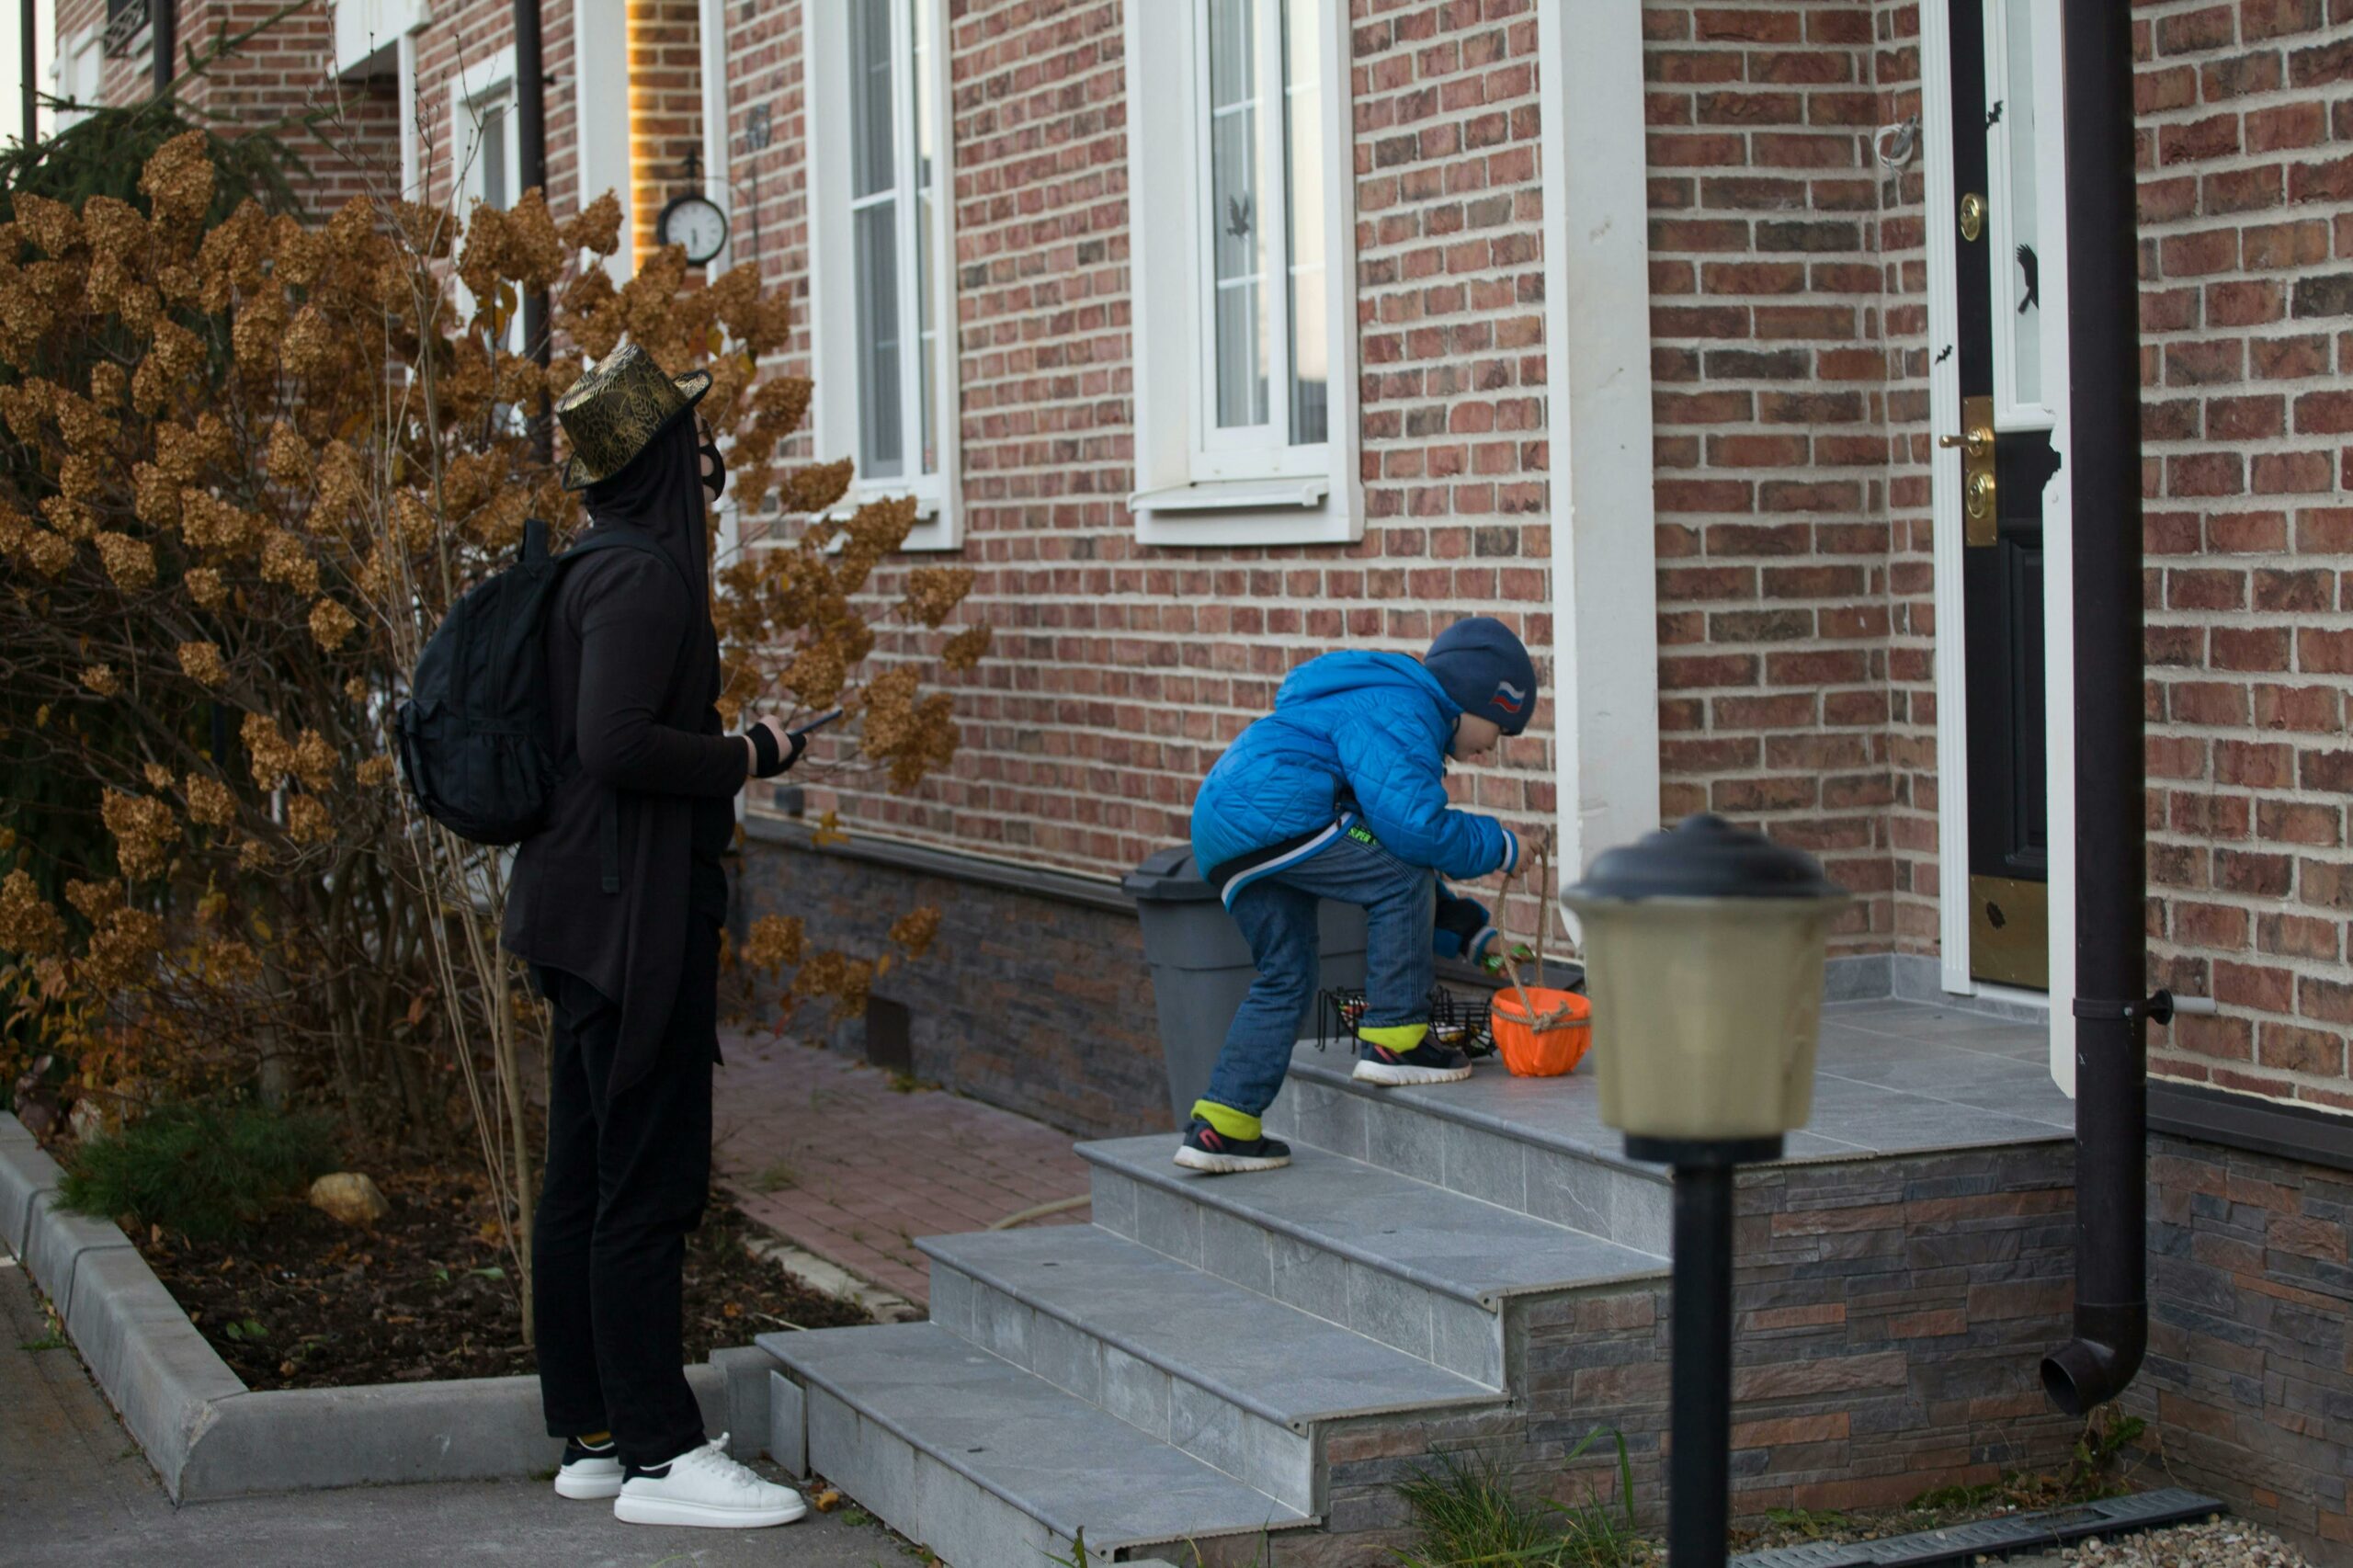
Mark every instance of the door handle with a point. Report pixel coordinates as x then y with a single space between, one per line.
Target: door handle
1976 442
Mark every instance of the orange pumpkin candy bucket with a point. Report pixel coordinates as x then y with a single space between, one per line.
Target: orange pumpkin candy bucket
1540 1033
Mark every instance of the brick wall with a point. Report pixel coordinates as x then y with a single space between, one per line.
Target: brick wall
1773 534
270 80
1120 672
2246 214
2248 1386
666 106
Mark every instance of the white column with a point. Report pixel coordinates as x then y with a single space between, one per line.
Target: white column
1597 348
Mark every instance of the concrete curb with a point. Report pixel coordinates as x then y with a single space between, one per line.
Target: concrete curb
210 1437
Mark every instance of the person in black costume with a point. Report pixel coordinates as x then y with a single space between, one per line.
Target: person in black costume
616 904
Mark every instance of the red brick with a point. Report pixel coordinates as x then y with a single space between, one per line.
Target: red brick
2291 1049
2292 822
2248 648
2298 936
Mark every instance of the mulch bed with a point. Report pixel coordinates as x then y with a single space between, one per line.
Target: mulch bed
310 1302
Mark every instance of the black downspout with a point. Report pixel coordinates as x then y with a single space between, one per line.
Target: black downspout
163 33
2111 880
29 20
531 131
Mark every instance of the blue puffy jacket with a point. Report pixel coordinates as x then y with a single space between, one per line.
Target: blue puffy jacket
1353 736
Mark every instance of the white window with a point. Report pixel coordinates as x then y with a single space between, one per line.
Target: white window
77 75
1242 239
880 286
482 134
488 150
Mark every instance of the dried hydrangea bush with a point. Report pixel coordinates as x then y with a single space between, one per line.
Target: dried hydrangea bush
253 462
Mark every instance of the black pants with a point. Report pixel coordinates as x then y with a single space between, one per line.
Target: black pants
627 1178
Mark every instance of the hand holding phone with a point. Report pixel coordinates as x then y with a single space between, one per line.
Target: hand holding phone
799 732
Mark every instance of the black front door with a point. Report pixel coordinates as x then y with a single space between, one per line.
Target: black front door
2006 457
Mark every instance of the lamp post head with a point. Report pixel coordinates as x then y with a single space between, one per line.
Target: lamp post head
1704 948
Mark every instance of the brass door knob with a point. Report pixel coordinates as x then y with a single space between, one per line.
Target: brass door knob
1978 495
1976 442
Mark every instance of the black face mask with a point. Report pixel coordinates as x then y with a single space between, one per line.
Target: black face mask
715 482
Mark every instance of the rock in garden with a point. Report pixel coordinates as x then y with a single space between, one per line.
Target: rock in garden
349 1196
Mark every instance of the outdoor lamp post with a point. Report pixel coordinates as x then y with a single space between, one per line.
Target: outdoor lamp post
1704 947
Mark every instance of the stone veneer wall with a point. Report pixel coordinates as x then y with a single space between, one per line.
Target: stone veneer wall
1036 1004
2248 1386
1891 1315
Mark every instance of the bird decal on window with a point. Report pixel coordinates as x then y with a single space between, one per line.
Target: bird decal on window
1994 115
1237 216
2032 267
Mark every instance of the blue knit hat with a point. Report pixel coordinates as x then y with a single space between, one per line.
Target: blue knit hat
1485 669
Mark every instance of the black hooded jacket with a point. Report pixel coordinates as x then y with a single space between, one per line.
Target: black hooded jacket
633 668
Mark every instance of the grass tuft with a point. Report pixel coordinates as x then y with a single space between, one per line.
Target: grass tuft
210 1172
1468 1514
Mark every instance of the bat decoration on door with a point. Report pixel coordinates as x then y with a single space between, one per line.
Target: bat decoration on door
1994 115
2032 267
1237 217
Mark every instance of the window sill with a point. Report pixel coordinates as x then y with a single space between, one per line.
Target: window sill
938 525
1227 514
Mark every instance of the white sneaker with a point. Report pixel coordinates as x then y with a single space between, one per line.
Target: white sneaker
703 1486
589 1474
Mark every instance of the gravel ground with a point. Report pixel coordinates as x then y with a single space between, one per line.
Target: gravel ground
2219 1543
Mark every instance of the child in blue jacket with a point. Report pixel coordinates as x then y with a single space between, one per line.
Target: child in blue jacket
1340 793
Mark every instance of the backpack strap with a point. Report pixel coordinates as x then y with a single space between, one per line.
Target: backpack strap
608 819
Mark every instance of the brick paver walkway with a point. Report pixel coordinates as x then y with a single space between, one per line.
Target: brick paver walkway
826 1153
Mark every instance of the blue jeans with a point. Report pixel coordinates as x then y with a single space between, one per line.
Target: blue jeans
1278 917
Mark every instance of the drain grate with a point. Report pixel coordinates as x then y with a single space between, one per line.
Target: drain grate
1998 1538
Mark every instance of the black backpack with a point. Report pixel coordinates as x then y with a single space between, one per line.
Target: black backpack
476 735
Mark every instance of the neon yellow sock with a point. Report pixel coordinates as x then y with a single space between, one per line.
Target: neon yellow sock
1399 1037
1239 1126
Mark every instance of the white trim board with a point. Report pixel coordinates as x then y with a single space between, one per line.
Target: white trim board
1598 357
1937 110
600 86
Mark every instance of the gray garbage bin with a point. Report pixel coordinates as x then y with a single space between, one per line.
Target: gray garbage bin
1201 967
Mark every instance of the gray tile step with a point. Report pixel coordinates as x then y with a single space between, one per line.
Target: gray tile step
1533 1144
1399 1260
988 1465
1232 1376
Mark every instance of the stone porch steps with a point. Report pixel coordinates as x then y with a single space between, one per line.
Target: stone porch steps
1236 1378
1402 1261
1517 1142
989 1465
1171 1373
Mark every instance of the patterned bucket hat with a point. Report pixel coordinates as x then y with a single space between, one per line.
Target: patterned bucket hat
614 411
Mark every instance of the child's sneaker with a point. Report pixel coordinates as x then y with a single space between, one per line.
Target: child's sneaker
1207 1149
1427 1062
590 1472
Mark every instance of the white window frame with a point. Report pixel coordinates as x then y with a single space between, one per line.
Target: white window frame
490 84
1197 486
833 278
77 74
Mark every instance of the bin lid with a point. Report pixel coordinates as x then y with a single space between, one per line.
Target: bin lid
1167 876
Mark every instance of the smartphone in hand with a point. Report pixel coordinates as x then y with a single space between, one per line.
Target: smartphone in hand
813 725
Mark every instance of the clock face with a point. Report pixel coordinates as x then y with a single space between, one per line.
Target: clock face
696 223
